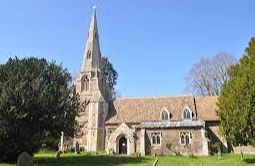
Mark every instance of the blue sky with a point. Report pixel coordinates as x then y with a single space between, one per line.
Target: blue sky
152 44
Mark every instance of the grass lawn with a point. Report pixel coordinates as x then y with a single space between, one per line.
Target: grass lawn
71 159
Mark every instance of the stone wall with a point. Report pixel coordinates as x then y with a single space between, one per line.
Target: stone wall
244 149
81 136
173 135
109 129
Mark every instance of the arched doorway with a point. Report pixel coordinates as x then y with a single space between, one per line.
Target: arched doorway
123 145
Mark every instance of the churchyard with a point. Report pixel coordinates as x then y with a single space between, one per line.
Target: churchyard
82 119
69 159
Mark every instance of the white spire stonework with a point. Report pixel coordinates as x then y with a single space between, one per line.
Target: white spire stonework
92 53
93 90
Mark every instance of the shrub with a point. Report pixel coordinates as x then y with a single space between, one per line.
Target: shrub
215 148
168 145
51 144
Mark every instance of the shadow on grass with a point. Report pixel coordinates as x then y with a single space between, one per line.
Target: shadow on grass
250 161
91 160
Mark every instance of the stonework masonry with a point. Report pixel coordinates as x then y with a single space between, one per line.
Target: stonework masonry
94 94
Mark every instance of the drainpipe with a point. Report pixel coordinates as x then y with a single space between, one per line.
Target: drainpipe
195 104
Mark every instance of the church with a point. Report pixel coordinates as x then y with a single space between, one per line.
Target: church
151 125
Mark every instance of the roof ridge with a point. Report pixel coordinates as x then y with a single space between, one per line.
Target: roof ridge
151 97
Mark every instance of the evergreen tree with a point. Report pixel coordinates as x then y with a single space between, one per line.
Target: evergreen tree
237 101
110 73
36 102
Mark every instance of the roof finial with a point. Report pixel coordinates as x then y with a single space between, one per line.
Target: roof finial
94 7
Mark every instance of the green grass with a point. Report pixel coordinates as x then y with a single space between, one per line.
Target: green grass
225 160
71 159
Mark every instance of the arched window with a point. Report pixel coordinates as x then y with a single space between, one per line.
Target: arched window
164 115
187 114
156 138
185 138
85 84
182 139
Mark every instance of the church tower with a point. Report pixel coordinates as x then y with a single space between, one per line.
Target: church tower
94 93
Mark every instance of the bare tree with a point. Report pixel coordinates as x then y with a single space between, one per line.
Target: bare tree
207 76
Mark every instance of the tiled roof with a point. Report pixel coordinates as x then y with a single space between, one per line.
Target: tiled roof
171 124
206 108
136 110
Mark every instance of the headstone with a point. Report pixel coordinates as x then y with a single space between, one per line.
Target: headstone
57 158
59 146
77 148
62 142
219 153
25 159
242 156
138 156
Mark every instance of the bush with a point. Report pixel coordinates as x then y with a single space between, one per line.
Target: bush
168 145
177 153
51 144
215 148
36 102
191 155
72 150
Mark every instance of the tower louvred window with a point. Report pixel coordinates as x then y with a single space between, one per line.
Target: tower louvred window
88 54
85 84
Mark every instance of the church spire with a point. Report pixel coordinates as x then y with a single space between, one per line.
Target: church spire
93 24
92 53
93 90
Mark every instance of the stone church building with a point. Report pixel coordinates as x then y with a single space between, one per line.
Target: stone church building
140 125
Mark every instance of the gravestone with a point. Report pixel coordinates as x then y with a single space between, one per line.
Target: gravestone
25 159
77 148
62 142
57 158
